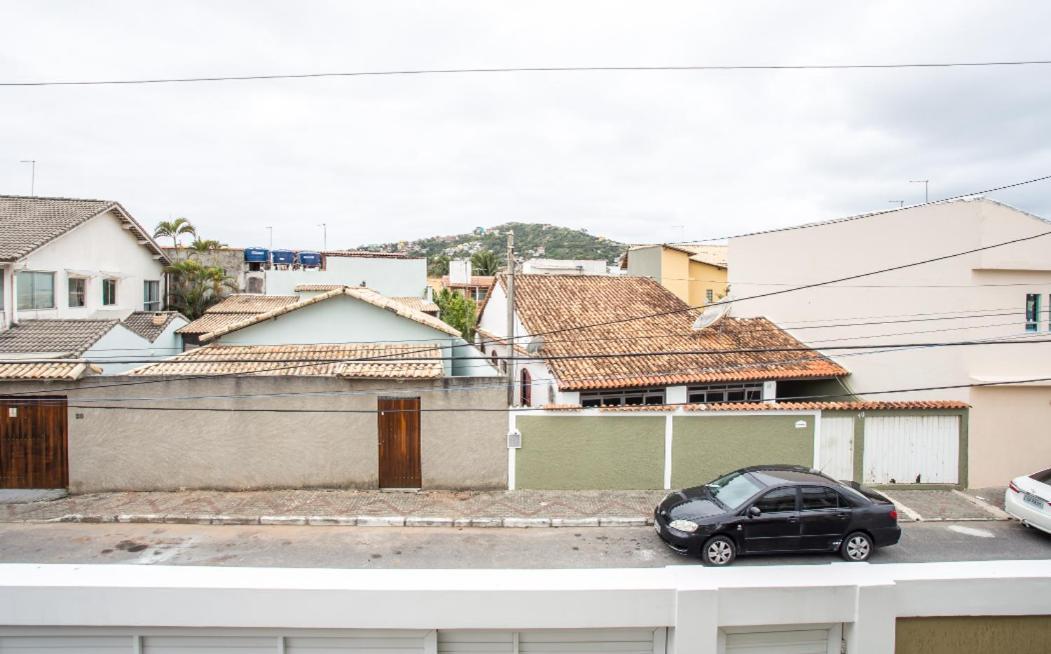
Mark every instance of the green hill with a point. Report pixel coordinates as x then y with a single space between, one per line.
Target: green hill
531 240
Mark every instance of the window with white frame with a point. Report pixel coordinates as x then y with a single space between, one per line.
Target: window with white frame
709 296
622 397
77 292
151 295
109 292
725 393
36 290
1032 312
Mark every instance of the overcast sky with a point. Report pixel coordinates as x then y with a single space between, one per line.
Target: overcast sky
633 156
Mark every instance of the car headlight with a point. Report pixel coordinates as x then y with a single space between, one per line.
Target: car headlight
686 526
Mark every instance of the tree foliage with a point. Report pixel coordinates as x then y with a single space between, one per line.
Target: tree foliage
457 311
485 263
206 244
438 266
194 287
175 230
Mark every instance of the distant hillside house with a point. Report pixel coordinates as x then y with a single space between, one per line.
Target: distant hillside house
695 273
573 347
64 259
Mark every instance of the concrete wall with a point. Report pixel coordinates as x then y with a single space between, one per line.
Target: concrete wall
705 277
1013 423
585 452
300 441
230 260
706 447
387 276
973 634
97 249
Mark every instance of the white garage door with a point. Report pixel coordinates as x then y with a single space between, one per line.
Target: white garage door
63 640
837 447
912 449
779 640
553 641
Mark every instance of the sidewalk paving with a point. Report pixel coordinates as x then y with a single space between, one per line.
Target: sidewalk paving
523 508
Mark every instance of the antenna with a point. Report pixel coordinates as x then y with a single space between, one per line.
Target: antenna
32 175
712 314
901 203
926 188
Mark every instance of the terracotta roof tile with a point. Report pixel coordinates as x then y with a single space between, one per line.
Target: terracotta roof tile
419 304
251 303
71 337
744 407
151 324
547 303
51 370
476 280
314 360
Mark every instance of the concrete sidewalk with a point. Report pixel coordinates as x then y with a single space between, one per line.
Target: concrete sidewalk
521 508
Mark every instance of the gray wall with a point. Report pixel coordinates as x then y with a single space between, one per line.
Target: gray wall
128 449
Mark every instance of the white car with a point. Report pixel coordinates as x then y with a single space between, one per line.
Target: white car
1029 499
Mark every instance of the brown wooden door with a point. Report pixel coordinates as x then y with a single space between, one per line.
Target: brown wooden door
33 443
399 442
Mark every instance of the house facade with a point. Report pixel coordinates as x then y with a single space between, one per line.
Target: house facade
695 273
64 259
1000 295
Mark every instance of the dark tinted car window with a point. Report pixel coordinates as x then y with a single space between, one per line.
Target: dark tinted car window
782 499
1044 476
816 498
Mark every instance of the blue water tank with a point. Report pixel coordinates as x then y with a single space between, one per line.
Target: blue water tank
310 259
257 255
283 257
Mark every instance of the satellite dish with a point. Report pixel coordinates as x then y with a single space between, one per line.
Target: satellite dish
713 313
535 344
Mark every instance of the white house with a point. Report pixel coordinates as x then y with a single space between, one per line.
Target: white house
390 274
75 259
1001 295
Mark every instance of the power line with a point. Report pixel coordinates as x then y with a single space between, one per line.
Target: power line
529 69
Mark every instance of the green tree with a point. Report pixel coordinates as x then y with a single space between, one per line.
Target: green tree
194 287
205 244
174 229
485 262
438 266
457 311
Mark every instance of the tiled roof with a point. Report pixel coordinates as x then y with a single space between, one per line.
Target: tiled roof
306 288
476 280
151 324
26 223
548 303
419 304
51 370
363 294
421 361
367 254
857 405
235 309
71 337
714 255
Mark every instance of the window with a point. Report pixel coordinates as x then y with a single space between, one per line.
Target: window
778 501
725 393
627 397
77 286
36 290
151 295
1032 312
709 296
816 498
527 388
109 292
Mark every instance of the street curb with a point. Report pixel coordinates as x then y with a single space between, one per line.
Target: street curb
996 512
345 521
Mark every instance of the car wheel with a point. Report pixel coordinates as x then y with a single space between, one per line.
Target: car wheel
719 551
856 547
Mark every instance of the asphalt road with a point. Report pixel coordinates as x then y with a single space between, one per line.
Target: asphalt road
427 547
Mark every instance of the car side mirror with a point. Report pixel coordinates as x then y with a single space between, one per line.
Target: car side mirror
754 512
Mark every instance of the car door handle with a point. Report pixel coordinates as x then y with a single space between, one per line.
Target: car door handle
843 515
793 519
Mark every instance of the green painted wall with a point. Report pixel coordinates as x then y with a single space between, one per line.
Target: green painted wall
584 452
973 634
705 447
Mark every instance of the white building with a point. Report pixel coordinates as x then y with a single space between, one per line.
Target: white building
565 267
1000 294
75 259
389 274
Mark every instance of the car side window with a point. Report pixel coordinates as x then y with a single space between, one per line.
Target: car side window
816 498
778 501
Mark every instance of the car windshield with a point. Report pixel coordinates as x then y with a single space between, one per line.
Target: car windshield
1044 476
734 489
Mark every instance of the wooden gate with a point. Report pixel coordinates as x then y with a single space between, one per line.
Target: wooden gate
33 443
399 442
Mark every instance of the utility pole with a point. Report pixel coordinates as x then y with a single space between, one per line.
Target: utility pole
510 318
324 236
270 228
926 188
32 176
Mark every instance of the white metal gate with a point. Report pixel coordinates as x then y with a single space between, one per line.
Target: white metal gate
553 641
781 640
912 449
837 447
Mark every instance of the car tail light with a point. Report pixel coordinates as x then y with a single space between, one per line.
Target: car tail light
893 515
1014 488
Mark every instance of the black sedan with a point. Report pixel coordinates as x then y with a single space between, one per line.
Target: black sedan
776 509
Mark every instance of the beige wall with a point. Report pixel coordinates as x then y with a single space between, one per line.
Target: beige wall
1010 433
128 449
705 277
1017 634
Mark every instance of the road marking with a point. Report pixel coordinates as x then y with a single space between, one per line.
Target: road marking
904 509
971 531
985 506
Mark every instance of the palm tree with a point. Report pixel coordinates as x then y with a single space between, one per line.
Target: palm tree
205 244
195 287
484 263
174 229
